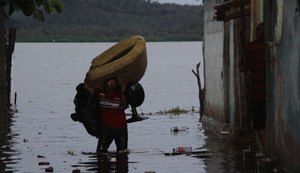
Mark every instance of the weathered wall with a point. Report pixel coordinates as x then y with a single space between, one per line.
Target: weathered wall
3 75
231 85
283 128
282 21
213 59
229 76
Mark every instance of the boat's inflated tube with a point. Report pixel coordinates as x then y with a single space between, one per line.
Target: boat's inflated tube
126 60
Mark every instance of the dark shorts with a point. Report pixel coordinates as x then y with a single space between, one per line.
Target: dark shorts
107 135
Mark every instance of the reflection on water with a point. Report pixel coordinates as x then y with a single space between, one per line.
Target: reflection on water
227 155
44 136
149 141
8 154
97 163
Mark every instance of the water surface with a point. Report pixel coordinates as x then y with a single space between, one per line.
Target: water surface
45 76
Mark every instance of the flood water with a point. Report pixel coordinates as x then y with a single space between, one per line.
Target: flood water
42 133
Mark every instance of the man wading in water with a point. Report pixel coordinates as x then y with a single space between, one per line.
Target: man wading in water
112 116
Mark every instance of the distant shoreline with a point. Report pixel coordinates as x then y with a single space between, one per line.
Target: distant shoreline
107 21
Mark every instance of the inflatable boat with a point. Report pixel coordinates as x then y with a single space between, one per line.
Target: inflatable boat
126 60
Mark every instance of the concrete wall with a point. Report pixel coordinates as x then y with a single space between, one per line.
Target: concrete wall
283 124
282 25
231 77
213 62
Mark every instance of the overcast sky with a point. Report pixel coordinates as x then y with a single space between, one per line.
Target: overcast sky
191 2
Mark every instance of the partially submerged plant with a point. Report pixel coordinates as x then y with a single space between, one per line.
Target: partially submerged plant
173 111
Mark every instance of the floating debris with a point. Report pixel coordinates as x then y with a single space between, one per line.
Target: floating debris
189 151
179 129
49 169
182 150
44 163
76 171
40 156
71 152
202 155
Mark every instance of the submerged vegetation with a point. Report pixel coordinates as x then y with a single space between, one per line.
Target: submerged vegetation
173 111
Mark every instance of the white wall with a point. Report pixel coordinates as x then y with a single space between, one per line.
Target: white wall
213 58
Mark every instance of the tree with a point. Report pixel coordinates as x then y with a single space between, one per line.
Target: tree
35 8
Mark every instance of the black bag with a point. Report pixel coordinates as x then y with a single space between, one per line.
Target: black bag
87 110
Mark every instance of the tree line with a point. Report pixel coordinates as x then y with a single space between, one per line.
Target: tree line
113 20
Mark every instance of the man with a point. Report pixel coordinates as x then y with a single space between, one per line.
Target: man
256 66
112 114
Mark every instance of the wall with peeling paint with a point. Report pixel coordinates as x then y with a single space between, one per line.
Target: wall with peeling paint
282 26
213 59
229 75
283 127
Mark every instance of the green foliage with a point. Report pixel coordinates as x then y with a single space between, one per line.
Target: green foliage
113 20
36 8
173 111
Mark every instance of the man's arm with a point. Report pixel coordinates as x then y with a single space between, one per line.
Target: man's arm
124 102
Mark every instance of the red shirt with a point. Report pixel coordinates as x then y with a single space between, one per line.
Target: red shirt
111 111
257 70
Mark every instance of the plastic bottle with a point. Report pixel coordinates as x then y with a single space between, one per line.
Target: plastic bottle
182 149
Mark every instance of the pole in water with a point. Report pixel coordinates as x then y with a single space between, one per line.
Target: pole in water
135 116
